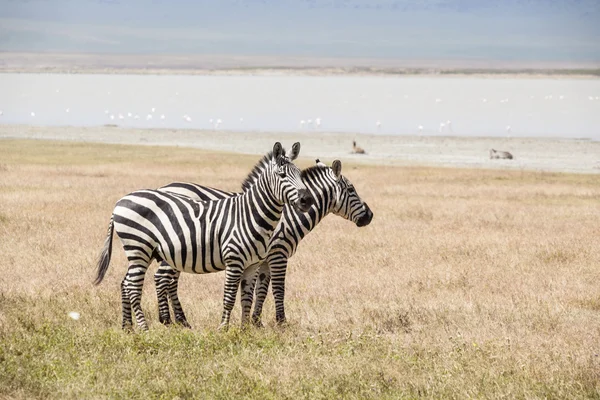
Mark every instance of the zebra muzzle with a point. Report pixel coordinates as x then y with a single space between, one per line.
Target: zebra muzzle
305 200
366 217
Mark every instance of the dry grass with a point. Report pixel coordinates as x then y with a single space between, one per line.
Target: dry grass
468 283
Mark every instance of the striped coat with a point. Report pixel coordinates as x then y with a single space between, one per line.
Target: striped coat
332 193
203 237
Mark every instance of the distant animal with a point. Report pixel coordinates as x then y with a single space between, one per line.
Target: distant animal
357 150
502 155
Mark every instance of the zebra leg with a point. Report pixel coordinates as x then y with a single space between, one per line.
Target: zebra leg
162 279
177 309
278 267
264 279
127 323
247 283
233 273
134 283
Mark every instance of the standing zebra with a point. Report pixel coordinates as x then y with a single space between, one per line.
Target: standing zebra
332 193
203 237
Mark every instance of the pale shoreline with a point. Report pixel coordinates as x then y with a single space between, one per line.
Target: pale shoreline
244 65
318 72
533 154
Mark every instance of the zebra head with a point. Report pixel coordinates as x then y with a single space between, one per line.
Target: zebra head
287 183
347 203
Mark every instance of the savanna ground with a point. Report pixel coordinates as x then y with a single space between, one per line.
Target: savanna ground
467 284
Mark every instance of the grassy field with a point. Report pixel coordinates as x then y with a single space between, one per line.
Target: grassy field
467 284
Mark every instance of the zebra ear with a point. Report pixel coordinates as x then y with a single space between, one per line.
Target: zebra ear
277 150
294 152
337 168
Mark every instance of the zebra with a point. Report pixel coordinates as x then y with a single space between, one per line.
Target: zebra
202 237
497 154
332 193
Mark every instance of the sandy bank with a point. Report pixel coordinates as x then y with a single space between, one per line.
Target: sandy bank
555 155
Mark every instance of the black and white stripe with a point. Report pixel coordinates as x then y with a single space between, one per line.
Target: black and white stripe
203 236
332 193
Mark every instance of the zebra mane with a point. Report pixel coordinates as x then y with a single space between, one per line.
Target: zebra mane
257 171
305 172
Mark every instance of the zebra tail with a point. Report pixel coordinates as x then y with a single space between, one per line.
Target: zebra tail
104 259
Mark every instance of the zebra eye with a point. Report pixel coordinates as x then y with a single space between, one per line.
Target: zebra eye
351 190
282 174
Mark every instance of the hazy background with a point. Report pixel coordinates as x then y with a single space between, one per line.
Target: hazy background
511 30
243 37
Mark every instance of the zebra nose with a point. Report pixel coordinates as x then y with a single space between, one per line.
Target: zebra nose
305 200
366 218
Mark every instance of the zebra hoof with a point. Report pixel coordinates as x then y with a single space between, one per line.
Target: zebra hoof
223 327
184 323
257 323
245 326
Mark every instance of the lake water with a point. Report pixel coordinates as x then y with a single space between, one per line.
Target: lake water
568 108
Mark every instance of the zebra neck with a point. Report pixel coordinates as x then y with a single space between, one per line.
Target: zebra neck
323 202
265 209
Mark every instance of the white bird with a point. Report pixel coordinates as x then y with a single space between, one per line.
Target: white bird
149 117
484 100
449 125
508 130
57 91
442 126
153 109
74 315
1 113
112 116
318 122
420 129
561 97
32 114
121 116
242 120
105 111
302 123
67 110
210 121
162 116
438 100
504 101
378 124
309 122
187 118
129 114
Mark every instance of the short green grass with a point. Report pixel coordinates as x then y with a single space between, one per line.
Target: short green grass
468 284
52 357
